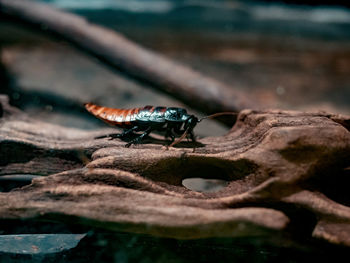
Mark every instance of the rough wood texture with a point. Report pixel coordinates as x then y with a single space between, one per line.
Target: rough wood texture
181 82
280 165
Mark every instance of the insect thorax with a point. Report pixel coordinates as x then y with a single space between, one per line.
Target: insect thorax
176 115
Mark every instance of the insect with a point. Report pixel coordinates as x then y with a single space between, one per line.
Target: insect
173 121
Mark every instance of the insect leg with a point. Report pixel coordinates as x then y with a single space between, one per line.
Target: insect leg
124 133
138 139
192 136
177 129
118 135
169 133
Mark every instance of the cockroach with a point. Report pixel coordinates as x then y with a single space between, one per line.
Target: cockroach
173 121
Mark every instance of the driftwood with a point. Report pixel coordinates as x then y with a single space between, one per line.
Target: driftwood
200 92
280 166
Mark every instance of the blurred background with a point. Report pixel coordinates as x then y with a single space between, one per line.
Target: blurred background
281 54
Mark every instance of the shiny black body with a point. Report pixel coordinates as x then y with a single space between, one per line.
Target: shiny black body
173 121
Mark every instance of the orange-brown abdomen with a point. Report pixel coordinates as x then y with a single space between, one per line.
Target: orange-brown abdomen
118 117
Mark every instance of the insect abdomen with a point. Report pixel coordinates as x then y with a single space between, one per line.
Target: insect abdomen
119 117
151 114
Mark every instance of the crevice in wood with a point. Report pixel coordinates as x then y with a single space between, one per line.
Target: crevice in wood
278 164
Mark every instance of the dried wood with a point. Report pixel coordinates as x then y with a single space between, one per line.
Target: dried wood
280 166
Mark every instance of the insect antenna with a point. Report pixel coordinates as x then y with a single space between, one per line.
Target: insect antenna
206 117
217 115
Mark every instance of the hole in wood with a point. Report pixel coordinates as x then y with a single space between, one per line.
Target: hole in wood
174 170
334 185
204 185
